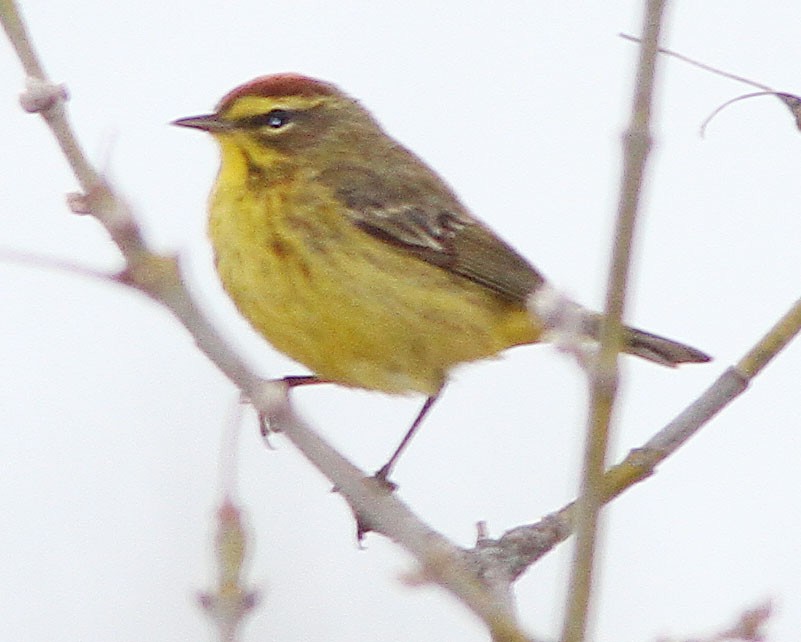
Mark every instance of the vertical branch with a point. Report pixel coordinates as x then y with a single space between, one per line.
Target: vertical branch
604 377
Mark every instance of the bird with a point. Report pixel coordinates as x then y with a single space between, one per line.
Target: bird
353 257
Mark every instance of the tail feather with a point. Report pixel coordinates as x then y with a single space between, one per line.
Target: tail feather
660 350
649 346
557 312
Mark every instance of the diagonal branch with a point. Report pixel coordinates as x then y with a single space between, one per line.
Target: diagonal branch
159 277
522 546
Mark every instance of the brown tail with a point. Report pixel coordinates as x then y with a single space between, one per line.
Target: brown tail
649 346
661 350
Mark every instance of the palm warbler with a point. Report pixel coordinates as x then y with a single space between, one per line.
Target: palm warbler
350 255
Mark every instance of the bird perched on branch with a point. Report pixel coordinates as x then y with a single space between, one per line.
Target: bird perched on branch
352 256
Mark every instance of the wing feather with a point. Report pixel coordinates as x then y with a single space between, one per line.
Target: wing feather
428 221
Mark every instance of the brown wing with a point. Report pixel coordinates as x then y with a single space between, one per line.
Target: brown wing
420 215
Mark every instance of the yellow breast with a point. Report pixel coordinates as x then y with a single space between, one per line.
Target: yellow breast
349 306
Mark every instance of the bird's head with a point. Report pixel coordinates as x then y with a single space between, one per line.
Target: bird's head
286 117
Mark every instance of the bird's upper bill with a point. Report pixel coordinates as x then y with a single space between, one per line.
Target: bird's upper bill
207 122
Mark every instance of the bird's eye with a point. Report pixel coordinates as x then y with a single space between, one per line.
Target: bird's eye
277 118
274 119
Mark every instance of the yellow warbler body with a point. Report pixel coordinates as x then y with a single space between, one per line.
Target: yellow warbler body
350 255
317 288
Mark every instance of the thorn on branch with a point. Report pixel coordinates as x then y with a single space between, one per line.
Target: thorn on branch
364 523
271 400
41 95
78 204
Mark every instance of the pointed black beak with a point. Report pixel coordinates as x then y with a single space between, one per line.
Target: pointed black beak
208 123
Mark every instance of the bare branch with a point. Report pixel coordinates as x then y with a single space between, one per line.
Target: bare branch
702 65
791 101
480 578
159 277
231 600
522 546
382 511
782 332
604 376
748 628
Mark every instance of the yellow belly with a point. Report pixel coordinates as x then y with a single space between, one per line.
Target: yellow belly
350 307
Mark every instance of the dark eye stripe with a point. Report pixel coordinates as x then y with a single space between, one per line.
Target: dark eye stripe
274 119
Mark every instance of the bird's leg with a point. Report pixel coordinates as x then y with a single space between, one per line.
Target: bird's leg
293 381
383 473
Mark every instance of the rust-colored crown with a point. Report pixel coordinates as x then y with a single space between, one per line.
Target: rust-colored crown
287 84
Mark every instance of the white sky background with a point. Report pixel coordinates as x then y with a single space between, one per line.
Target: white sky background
112 420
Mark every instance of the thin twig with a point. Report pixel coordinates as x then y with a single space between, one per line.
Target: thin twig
522 546
791 101
782 332
702 65
231 599
749 627
17 257
604 376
